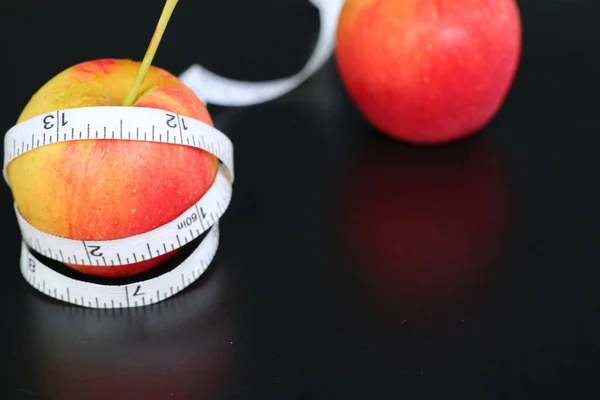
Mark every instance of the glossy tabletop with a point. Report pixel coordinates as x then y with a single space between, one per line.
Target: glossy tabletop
351 266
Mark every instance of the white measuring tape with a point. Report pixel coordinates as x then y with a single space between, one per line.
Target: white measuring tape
147 124
216 89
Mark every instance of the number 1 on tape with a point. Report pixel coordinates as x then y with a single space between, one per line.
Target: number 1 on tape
124 123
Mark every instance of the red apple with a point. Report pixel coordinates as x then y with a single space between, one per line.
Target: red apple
428 71
108 189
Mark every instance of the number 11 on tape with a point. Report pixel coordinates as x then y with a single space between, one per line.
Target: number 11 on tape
123 123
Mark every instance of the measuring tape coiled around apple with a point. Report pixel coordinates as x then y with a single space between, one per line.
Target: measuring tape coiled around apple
124 123
144 124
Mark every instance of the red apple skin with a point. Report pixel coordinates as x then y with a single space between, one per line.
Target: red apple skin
110 189
428 71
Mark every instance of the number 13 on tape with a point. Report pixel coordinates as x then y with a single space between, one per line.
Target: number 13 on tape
123 123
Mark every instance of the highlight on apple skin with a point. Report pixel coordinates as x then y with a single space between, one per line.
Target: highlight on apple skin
110 189
428 71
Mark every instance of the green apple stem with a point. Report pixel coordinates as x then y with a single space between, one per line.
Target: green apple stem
151 51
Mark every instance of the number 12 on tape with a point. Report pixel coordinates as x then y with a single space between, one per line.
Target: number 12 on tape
123 123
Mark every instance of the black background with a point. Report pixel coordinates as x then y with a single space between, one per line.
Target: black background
298 304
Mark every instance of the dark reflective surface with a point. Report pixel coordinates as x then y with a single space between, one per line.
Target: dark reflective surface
424 224
350 266
181 347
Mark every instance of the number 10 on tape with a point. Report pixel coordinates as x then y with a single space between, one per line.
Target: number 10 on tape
123 123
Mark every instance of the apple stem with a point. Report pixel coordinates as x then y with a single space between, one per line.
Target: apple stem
151 51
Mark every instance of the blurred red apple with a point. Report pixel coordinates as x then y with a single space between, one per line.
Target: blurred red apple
428 71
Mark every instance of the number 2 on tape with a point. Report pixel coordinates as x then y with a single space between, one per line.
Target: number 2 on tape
123 123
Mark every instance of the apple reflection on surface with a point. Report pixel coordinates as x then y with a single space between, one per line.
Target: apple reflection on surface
422 222
179 348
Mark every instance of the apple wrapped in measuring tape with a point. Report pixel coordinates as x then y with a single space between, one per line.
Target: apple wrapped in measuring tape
111 189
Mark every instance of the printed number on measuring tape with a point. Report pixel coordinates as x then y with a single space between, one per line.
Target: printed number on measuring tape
146 124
